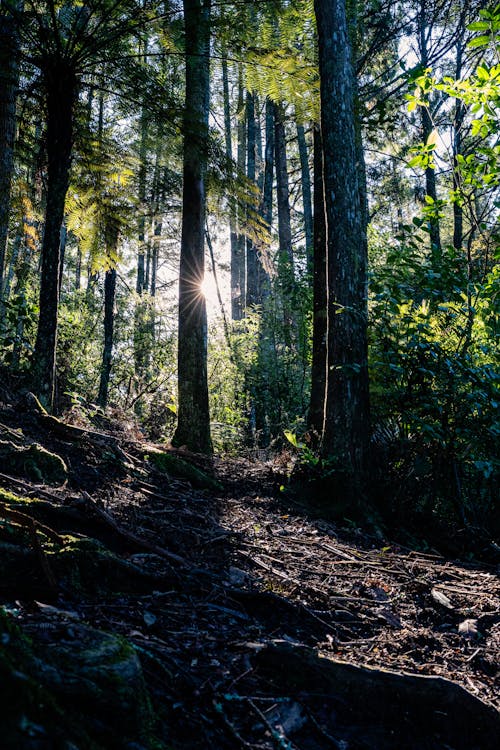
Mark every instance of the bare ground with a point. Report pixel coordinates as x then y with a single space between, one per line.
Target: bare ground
245 596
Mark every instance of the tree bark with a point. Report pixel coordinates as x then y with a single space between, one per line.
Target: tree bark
458 120
318 367
193 426
233 235
346 432
61 88
238 275
266 204
109 316
140 335
306 195
285 254
251 297
427 128
9 81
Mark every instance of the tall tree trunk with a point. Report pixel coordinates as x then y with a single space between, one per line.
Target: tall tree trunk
266 205
78 269
193 426
427 128
285 254
238 275
61 87
9 80
140 286
23 268
318 368
251 254
109 314
233 235
346 432
306 195
63 237
458 120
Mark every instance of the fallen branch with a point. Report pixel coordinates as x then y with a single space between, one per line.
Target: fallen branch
130 537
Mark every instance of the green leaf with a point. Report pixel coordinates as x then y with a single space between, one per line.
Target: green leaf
479 41
292 438
479 26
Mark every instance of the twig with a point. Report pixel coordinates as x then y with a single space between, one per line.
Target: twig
227 723
281 740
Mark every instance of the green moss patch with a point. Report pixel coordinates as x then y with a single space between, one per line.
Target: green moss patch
168 463
33 461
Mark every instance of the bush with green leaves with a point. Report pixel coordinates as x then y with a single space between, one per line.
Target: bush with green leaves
435 387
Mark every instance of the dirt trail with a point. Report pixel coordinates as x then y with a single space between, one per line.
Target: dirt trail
230 623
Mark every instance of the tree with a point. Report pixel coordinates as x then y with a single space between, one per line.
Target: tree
9 77
346 432
193 425
64 43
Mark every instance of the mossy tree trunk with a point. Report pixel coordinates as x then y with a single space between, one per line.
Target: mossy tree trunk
193 425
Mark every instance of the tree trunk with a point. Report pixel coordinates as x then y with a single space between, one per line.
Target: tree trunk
9 80
141 286
318 368
233 236
109 315
458 120
427 128
238 276
346 432
193 426
251 254
285 253
306 195
61 88
266 205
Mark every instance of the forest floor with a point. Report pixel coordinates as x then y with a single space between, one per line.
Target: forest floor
240 612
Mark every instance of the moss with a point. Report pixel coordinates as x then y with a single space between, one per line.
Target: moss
35 462
171 464
29 713
84 689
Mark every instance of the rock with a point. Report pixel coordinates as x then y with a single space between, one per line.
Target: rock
101 674
77 688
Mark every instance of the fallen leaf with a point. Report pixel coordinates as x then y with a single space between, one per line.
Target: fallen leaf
441 599
149 618
468 628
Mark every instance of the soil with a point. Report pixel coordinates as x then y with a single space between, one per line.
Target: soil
234 600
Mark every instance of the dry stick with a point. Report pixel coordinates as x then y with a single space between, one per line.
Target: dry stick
220 712
30 487
129 536
278 737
